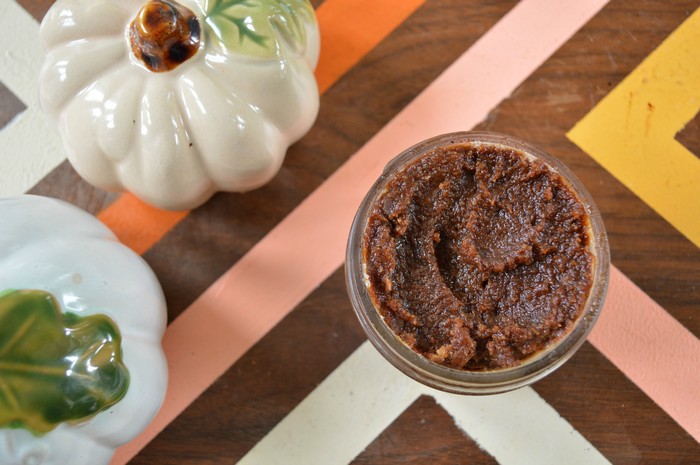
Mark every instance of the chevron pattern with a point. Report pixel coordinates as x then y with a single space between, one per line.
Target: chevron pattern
269 366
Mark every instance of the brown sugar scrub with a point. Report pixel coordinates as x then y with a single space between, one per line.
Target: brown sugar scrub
478 255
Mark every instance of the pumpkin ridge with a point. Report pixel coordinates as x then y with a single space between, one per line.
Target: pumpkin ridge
67 93
192 144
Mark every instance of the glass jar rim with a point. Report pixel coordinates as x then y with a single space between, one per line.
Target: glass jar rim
456 380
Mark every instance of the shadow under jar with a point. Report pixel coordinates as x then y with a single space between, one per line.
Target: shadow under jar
477 263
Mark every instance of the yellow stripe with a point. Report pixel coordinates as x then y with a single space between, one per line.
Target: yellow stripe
631 132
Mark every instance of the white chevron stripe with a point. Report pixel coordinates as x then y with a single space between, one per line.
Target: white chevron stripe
365 394
21 52
520 428
31 149
30 144
341 417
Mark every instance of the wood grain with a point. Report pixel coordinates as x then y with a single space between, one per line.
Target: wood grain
286 365
689 136
412 440
10 106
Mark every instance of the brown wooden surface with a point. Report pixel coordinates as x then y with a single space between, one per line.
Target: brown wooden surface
288 363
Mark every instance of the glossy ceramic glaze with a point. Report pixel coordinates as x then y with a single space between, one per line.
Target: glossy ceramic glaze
164 34
50 246
55 367
220 120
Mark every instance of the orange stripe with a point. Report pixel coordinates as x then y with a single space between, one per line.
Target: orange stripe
349 30
137 224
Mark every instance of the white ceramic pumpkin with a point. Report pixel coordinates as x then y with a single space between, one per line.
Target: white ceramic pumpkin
48 245
174 100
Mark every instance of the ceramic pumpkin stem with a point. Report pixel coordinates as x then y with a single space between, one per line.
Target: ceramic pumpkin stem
164 35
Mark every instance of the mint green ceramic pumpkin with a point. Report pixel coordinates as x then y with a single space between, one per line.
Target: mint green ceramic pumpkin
82 369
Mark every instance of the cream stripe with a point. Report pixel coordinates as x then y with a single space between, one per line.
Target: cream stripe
341 417
31 149
30 144
22 55
520 428
365 394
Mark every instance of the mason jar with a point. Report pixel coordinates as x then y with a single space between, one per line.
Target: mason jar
460 380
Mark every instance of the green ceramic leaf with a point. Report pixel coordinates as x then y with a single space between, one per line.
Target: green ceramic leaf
259 27
55 367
